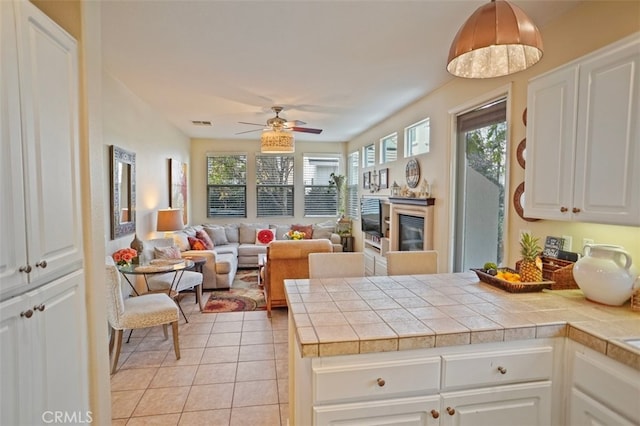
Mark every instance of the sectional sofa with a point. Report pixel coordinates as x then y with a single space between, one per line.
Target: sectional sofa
234 246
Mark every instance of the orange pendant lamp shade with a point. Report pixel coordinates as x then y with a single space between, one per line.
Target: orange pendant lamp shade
497 40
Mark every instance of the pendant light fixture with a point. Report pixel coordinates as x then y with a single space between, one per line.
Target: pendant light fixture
277 141
498 39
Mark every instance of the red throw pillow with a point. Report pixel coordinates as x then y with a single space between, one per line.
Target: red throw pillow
205 238
307 229
197 244
264 236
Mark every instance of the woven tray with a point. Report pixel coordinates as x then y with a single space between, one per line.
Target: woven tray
510 286
557 270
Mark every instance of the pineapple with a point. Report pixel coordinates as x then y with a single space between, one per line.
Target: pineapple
530 265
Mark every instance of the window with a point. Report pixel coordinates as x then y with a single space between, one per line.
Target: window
274 185
227 185
352 185
320 198
389 148
369 156
416 138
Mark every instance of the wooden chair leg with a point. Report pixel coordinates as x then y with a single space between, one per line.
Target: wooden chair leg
199 296
116 351
165 329
112 333
176 343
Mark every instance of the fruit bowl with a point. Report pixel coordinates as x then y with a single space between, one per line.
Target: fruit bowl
511 286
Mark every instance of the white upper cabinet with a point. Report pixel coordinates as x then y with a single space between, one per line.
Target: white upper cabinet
583 139
40 214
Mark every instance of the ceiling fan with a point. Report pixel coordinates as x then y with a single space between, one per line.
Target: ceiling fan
279 123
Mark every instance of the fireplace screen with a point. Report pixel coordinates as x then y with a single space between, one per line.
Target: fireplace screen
411 233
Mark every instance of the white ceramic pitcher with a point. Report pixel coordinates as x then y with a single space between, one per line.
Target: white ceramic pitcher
605 274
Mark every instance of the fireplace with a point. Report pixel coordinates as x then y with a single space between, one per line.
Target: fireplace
411 224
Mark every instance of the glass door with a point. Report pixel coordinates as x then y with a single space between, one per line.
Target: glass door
480 186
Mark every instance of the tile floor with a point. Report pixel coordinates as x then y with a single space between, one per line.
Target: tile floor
233 370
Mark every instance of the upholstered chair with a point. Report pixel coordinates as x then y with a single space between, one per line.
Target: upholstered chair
336 265
412 262
148 310
288 259
177 282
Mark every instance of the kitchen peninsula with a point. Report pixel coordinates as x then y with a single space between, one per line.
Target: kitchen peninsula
447 349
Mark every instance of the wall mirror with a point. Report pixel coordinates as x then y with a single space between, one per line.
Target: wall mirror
123 192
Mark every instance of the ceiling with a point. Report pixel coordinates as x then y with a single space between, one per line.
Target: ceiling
341 66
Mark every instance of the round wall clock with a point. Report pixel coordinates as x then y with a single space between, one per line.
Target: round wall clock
412 173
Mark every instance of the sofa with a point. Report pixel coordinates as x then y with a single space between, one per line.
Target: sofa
234 246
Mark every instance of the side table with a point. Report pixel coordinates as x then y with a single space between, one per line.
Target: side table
347 243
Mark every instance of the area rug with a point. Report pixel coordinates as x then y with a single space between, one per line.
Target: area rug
244 295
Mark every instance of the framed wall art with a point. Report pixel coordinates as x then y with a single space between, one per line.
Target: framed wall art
384 178
366 180
178 189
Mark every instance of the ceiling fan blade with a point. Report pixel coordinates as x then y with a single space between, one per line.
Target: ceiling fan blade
294 123
306 130
248 131
251 124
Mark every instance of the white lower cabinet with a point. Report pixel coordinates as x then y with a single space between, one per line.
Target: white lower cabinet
43 355
484 384
602 391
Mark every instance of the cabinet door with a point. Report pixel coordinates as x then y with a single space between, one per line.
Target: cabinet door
59 346
47 60
523 405
551 111
608 137
418 411
13 249
15 361
587 411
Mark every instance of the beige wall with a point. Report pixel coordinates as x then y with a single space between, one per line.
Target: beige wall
588 27
131 124
198 173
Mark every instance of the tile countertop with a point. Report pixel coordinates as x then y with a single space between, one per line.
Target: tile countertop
343 316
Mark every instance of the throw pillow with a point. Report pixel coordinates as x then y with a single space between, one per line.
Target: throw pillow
323 232
202 235
197 244
264 236
171 252
217 235
307 229
180 240
280 230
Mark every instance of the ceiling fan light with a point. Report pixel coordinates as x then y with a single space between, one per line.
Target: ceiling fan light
498 39
277 142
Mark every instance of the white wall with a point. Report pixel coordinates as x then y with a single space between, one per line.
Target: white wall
589 26
131 124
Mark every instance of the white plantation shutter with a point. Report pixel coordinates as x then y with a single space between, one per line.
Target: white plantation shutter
227 185
320 198
353 172
274 185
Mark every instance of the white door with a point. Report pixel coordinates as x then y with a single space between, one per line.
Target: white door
13 248
608 138
48 63
523 405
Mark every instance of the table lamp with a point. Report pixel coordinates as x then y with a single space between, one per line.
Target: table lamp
169 220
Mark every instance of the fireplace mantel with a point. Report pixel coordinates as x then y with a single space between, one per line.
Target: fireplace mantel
418 207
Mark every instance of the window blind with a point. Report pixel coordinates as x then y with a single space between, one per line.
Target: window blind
320 198
353 172
227 185
274 185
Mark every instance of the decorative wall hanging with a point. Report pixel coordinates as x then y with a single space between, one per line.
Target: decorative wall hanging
384 178
412 173
366 180
521 152
178 189
518 203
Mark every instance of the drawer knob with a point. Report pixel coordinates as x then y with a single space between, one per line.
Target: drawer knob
502 370
42 264
563 209
575 210
28 313
451 411
435 414
380 382
41 307
26 268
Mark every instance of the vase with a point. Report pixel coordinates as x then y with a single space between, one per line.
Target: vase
605 274
138 246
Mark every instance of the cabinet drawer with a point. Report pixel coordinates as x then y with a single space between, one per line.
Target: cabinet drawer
376 380
499 367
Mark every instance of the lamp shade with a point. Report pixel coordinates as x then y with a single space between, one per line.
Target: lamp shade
277 141
498 39
170 220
